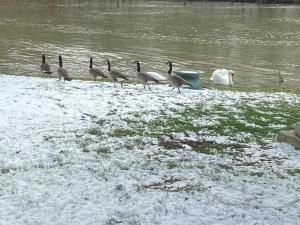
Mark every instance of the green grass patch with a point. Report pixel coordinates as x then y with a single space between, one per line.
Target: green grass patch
268 89
251 119
257 173
83 145
259 121
120 132
196 188
225 166
103 150
171 165
95 131
200 166
247 120
206 150
295 171
100 122
64 152
5 170
112 112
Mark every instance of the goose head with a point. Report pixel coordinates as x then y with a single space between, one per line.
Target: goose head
108 64
170 67
138 65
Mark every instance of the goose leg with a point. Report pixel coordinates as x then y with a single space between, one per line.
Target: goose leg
114 83
122 84
173 88
145 85
179 90
148 86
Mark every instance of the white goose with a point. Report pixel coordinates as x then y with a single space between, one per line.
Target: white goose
223 77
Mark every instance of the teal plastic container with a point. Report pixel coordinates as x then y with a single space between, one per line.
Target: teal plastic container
191 76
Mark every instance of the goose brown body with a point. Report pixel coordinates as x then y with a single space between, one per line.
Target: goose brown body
62 72
44 67
94 72
115 75
174 80
144 78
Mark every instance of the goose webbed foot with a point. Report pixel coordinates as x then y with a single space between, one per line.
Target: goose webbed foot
148 86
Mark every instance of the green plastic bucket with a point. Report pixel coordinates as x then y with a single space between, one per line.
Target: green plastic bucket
191 76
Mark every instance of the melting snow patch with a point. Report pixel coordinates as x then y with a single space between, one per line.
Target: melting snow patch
88 153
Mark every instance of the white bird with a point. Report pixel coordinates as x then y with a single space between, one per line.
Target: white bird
223 77
157 76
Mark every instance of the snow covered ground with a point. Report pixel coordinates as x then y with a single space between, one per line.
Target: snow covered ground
89 153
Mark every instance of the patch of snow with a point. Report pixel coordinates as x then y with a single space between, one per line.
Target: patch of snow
55 169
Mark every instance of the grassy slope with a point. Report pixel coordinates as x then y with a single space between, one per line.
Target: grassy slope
247 120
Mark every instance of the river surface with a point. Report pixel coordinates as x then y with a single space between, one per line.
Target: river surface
257 41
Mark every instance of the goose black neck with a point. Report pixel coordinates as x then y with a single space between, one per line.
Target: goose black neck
138 67
91 63
60 61
170 68
43 59
108 65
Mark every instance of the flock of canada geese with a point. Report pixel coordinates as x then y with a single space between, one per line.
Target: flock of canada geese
220 76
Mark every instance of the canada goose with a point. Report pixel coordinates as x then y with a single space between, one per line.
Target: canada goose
223 77
174 80
94 72
144 77
45 68
62 72
114 75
